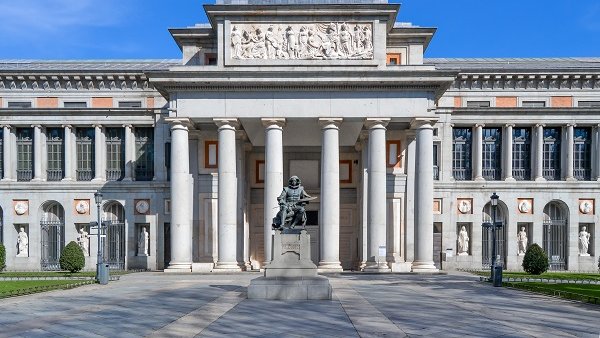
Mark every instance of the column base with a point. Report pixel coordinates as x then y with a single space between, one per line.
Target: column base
68 179
401 266
202 267
98 179
571 179
329 267
424 267
179 268
510 179
227 267
479 178
540 179
376 267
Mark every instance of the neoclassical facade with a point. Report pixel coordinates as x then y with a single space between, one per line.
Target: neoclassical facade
401 151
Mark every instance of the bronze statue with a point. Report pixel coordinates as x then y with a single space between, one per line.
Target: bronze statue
292 200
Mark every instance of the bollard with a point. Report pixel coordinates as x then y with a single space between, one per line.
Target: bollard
498 275
102 273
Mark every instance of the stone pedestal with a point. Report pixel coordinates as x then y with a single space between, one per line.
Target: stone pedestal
291 275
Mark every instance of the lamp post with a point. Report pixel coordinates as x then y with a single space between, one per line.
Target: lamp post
496 275
101 268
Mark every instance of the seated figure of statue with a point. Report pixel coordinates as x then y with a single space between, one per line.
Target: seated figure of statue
292 200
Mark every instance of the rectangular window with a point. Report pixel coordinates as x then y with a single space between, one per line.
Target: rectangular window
115 154
18 104
1 152
521 154
144 154
211 154
168 159
75 104
588 104
436 168
85 143
534 104
130 104
478 104
25 154
55 150
551 156
393 153
393 59
461 153
582 154
492 154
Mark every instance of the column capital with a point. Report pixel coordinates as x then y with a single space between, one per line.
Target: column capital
67 126
227 123
538 125
129 126
423 122
330 122
179 121
512 125
479 125
36 126
97 125
376 122
273 122
8 126
571 124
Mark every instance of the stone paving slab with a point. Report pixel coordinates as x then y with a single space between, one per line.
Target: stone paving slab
211 305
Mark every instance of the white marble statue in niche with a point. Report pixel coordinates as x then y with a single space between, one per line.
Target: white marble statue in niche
522 241
463 242
83 239
584 242
143 242
22 243
309 41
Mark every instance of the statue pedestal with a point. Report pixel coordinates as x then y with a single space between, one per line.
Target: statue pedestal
291 275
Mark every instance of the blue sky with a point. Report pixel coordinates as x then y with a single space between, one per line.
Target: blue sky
134 29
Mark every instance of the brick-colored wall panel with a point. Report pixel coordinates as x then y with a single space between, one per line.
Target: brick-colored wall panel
47 102
150 102
506 101
102 102
457 102
561 101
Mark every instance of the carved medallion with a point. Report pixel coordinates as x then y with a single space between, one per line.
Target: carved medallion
586 206
82 207
525 206
142 206
464 206
21 207
302 41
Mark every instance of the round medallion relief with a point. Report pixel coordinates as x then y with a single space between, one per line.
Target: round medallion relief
524 206
142 206
585 207
21 207
82 207
464 206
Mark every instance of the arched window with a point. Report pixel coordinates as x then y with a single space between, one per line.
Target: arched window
52 227
556 235
486 236
114 247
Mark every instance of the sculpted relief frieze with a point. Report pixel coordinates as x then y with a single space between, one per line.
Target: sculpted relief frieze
302 41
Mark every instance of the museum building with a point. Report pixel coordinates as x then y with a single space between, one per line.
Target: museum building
402 152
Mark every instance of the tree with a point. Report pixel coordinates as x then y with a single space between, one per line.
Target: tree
2 257
535 261
72 258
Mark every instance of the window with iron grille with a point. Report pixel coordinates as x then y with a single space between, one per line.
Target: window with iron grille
25 154
1 152
534 104
551 156
478 104
521 154
582 153
130 104
75 104
85 143
144 154
115 154
55 147
18 104
461 153
492 153
436 168
588 104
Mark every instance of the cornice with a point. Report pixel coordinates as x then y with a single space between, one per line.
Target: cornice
576 81
75 82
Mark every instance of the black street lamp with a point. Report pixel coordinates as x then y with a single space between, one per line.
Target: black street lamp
496 273
102 274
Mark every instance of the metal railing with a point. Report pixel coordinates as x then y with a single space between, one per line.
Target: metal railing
85 174
54 174
582 174
436 172
551 174
24 175
461 174
114 174
521 174
491 174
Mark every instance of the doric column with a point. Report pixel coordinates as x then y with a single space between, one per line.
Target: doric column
227 199
423 196
129 152
37 153
273 177
160 169
98 153
181 228
570 145
68 156
539 153
6 153
363 147
376 209
330 195
508 153
477 152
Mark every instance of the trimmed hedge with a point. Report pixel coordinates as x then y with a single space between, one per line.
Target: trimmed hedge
72 258
2 257
535 261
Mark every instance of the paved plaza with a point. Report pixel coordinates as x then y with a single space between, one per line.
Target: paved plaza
167 305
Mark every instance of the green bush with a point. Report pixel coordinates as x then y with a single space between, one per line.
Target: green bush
535 261
2 257
72 258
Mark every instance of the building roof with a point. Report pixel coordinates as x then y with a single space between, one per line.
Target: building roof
141 65
516 64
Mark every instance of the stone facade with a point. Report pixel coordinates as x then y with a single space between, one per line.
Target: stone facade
195 151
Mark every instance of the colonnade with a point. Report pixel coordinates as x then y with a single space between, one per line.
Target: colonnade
329 222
